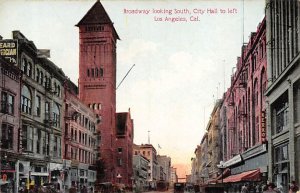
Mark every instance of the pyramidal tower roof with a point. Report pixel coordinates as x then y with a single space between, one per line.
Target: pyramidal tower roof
96 15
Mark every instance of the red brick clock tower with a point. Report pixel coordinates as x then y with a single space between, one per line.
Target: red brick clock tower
97 77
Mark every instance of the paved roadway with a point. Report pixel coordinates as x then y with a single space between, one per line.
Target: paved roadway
169 191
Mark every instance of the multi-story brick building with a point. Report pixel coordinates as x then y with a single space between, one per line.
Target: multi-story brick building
97 88
10 84
283 106
243 113
123 148
80 140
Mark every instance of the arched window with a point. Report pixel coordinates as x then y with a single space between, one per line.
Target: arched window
26 100
56 115
37 75
101 72
24 65
41 78
88 72
58 90
97 72
29 67
93 74
99 106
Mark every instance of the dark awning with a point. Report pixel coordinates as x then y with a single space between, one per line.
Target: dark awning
252 175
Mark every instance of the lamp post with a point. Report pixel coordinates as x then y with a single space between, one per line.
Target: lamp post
221 166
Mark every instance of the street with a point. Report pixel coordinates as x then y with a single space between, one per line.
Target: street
168 191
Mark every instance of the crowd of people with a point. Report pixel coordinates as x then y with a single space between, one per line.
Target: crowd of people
271 188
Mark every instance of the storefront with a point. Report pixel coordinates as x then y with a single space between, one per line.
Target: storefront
249 168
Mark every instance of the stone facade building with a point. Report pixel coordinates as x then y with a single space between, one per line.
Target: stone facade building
165 162
148 151
213 142
80 141
283 120
140 171
40 105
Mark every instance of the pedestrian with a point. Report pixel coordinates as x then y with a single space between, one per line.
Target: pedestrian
270 188
245 189
257 188
280 188
293 187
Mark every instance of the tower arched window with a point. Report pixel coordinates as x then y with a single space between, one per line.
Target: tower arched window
101 72
97 72
88 72
26 100
93 73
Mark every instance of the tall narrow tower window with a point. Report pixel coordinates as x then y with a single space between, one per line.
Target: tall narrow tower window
97 72
88 72
101 72
93 74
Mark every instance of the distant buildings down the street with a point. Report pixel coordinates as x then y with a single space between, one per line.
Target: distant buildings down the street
253 134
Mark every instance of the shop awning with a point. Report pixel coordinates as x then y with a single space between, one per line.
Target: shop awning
252 175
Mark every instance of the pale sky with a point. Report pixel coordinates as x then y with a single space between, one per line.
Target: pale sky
180 67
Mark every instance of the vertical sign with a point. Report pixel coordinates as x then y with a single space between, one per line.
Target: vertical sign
263 126
8 50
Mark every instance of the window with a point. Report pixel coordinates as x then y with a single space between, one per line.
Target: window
56 116
41 78
97 72
24 65
37 75
119 162
47 111
58 91
27 138
120 150
101 72
88 72
55 148
7 136
297 101
280 113
26 100
38 141
29 69
93 74
281 153
7 103
38 105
